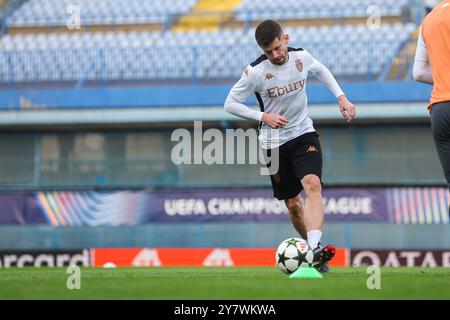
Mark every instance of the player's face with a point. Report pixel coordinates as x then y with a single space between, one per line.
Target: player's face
277 51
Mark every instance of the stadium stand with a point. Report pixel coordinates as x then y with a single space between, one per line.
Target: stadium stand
95 12
348 50
213 39
207 15
315 9
191 50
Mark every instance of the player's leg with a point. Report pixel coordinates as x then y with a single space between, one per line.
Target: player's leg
440 125
314 208
314 221
306 158
285 187
296 215
307 161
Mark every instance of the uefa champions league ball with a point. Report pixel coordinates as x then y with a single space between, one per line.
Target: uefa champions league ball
293 253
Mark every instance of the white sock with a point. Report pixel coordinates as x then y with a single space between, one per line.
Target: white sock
314 238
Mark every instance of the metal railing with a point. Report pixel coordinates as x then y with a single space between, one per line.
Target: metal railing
360 60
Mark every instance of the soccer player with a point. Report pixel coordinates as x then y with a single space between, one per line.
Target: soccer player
278 79
432 66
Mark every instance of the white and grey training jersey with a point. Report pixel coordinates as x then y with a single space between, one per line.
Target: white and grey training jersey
279 89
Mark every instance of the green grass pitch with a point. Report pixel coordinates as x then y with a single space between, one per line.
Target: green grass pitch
218 283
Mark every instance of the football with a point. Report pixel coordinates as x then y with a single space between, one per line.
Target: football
293 253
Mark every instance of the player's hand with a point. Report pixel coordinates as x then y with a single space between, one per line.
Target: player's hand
274 120
347 108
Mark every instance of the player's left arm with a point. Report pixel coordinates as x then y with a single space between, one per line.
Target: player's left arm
324 75
422 69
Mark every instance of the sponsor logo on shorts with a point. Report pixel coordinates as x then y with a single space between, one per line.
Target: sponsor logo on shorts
311 149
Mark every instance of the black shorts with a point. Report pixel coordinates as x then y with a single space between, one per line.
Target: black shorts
440 125
297 158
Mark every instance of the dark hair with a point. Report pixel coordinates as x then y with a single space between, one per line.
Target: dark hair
267 31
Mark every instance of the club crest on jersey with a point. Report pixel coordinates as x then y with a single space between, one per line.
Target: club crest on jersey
299 65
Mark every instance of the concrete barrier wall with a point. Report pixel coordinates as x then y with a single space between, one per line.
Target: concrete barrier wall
242 234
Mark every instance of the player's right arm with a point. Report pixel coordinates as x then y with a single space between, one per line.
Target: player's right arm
422 68
234 102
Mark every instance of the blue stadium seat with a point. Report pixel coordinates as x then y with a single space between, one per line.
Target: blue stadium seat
220 55
97 12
